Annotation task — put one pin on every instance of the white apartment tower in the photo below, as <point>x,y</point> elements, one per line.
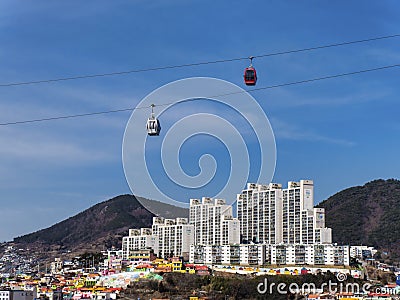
<point>230,230</point>
<point>297,212</point>
<point>173,236</point>
<point>167,237</point>
<point>301,222</point>
<point>137,239</point>
<point>213,222</point>
<point>259,210</point>
<point>272,215</point>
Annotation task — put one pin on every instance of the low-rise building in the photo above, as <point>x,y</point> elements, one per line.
<point>56,266</point>
<point>140,255</point>
<point>362,251</point>
<point>265,254</point>
<point>17,295</point>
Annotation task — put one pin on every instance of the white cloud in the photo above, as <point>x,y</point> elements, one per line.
<point>33,145</point>
<point>290,132</point>
<point>385,55</point>
<point>288,98</point>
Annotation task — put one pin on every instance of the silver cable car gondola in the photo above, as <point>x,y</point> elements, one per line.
<point>153,125</point>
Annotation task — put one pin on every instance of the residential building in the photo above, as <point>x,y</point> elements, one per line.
<point>113,252</point>
<point>213,222</point>
<point>253,254</point>
<point>317,254</point>
<point>230,230</point>
<point>362,251</point>
<point>139,255</point>
<point>56,265</point>
<point>272,215</point>
<point>17,295</point>
<point>275,225</point>
<point>166,238</point>
<point>138,239</point>
<point>259,210</point>
<point>265,254</point>
<point>173,237</point>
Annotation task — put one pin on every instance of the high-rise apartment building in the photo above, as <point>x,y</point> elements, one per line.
<point>137,239</point>
<point>167,237</point>
<point>173,236</point>
<point>274,225</point>
<point>259,210</point>
<point>213,222</point>
<point>298,203</point>
<point>272,215</point>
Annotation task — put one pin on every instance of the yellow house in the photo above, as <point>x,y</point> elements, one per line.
<point>177,266</point>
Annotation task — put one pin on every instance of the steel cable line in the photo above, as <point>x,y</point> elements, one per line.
<point>212,96</point>
<point>329,46</point>
<point>195,64</point>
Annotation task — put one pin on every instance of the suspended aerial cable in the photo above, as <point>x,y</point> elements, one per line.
<point>194,64</point>
<point>70,116</point>
<point>320,78</point>
<point>211,96</point>
<point>329,46</point>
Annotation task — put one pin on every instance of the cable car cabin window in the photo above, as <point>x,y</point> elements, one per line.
<point>249,75</point>
<point>153,127</point>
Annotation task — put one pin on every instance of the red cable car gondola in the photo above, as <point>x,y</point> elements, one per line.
<point>250,74</point>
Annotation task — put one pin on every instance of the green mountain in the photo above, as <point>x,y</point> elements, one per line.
<point>368,215</point>
<point>100,226</point>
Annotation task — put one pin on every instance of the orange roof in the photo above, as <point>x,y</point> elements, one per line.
<point>143,266</point>
<point>110,290</point>
<point>345,294</point>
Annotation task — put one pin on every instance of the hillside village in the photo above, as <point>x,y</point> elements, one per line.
<point>113,277</point>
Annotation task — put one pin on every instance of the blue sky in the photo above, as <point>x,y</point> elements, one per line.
<point>339,132</point>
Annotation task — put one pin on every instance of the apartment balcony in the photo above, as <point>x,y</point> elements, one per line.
<point>253,262</point>
<point>300,261</point>
<point>281,261</point>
